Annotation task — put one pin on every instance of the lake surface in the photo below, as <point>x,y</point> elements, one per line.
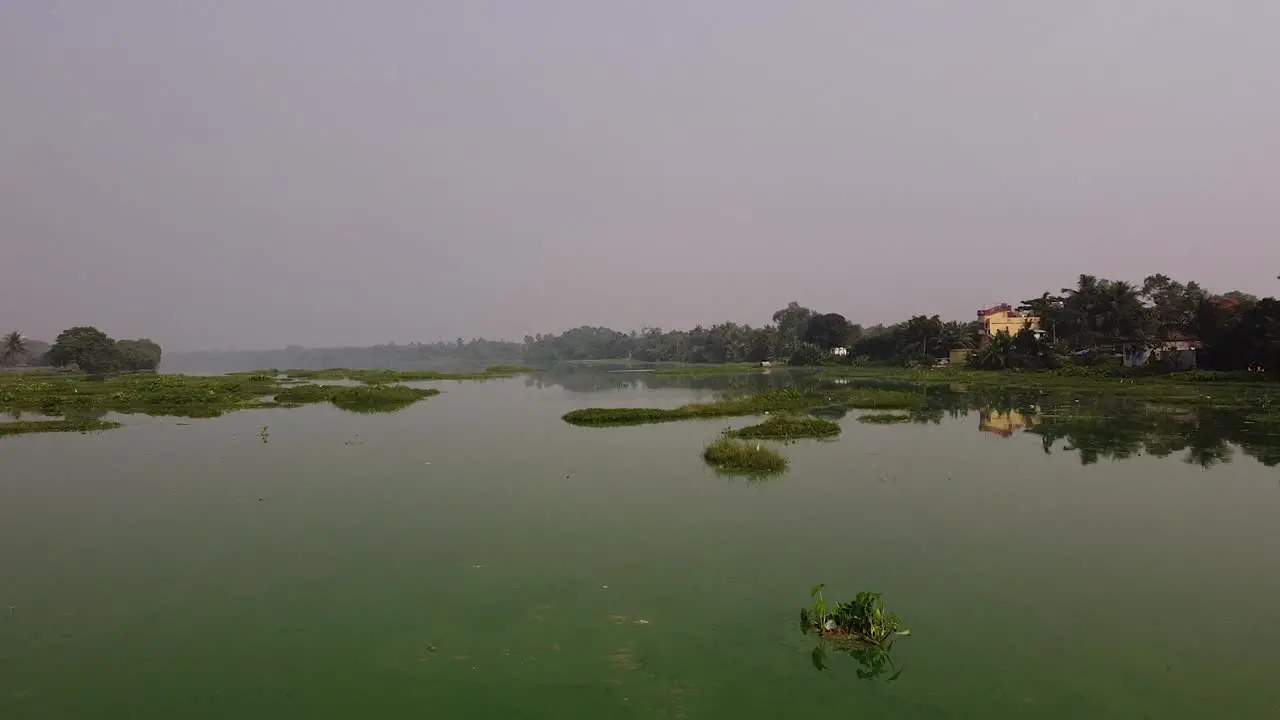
<point>475,556</point>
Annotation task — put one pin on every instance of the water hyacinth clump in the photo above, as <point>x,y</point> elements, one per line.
<point>736,457</point>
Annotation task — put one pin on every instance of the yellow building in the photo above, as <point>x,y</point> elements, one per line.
<point>1003,318</point>
<point>1003,424</point>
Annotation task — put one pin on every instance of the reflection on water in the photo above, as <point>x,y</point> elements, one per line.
<point>1092,424</point>
<point>1098,427</point>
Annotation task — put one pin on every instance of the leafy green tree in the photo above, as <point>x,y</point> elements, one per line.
<point>92,350</point>
<point>13,347</point>
<point>137,355</point>
<point>807,354</point>
<point>829,330</point>
<point>791,321</point>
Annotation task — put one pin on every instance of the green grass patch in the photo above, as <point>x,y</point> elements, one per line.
<point>788,427</point>
<point>790,399</point>
<point>736,457</point>
<point>148,394</point>
<point>884,418</point>
<point>24,427</point>
<point>360,398</point>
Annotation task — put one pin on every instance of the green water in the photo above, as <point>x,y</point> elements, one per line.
<point>474,557</point>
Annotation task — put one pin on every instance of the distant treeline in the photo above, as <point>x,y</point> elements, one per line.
<point>1087,323</point>
<point>458,356</point>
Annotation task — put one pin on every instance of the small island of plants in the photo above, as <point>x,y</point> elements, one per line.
<point>737,457</point>
<point>788,427</point>
<point>861,622</point>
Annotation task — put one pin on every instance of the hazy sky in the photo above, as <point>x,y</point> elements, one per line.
<point>253,173</point>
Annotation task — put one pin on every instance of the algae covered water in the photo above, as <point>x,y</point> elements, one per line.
<point>475,556</point>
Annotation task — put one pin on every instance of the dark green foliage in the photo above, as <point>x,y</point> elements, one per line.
<point>773,401</point>
<point>147,394</point>
<point>88,348</point>
<point>735,457</point>
<point>884,418</point>
<point>788,427</point>
<point>138,355</point>
<point>378,398</point>
<point>807,355</point>
<point>827,331</point>
<point>303,394</point>
<point>363,398</point>
<point>23,427</point>
<point>865,618</point>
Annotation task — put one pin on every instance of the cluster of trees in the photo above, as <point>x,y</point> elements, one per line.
<point>797,332</point>
<point>88,348</point>
<point>1236,330</point>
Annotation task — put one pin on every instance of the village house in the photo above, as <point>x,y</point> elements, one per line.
<point>1003,318</point>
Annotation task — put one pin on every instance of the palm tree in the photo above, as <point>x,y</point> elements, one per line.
<point>12,347</point>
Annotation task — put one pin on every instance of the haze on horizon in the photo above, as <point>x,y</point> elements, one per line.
<point>253,174</point>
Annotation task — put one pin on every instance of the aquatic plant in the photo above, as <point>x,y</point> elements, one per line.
<point>736,457</point>
<point>773,401</point>
<point>360,398</point>
<point>378,398</point>
<point>884,418</point>
<point>176,395</point>
<point>788,427</point>
<point>24,427</point>
<point>862,620</point>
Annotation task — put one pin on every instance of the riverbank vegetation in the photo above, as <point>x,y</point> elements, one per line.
<point>85,425</point>
<point>787,427</point>
<point>737,457</point>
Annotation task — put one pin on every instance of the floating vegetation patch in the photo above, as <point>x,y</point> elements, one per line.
<point>862,628</point>
<point>788,427</point>
<point>358,398</point>
<point>737,457</point>
<point>790,399</point>
<point>884,418</point>
<point>24,427</point>
<point>378,398</point>
<point>864,619</point>
<point>148,394</point>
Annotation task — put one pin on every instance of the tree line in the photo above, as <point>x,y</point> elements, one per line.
<point>84,347</point>
<point>1090,322</point>
<point>1087,323</point>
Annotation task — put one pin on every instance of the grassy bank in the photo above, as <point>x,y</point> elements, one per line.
<point>24,427</point>
<point>788,427</point>
<point>774,401</point>
<point>735,457</point>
